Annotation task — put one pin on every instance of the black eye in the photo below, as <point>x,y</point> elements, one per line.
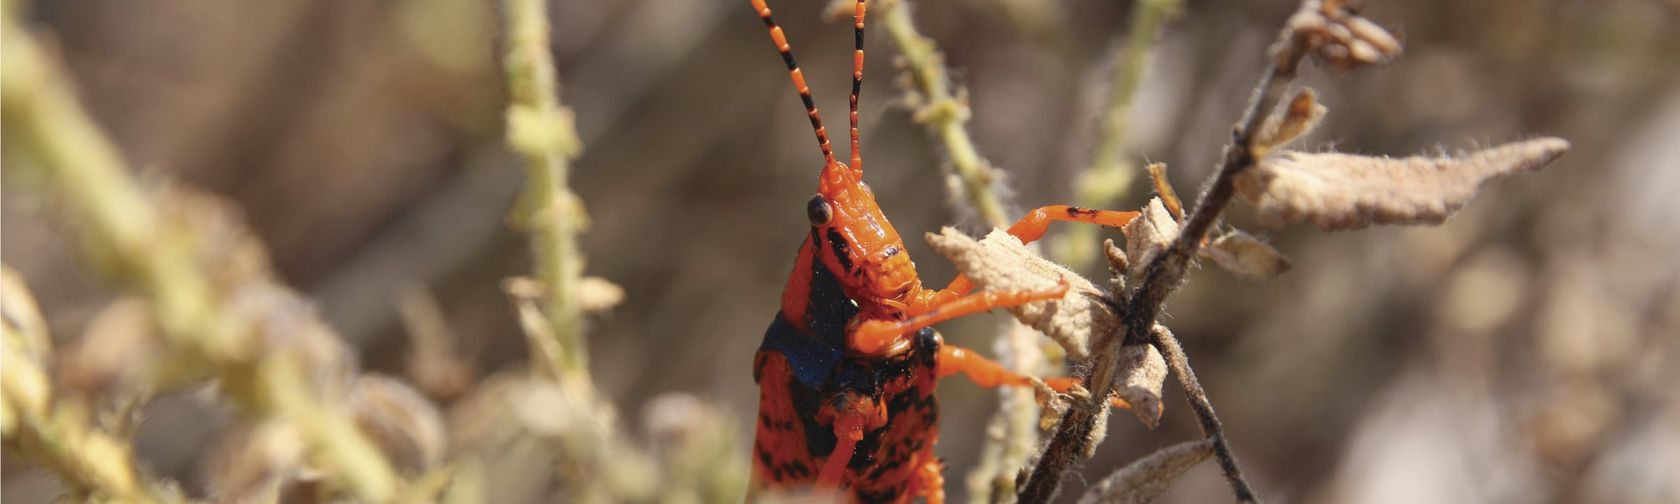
<point>817,210</point>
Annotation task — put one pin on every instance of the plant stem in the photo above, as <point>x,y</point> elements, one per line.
<point>943,113</point>
<point>1211,428</point>
<point>149,254</point>
<point>541,131</point>
<point>1110,175</point>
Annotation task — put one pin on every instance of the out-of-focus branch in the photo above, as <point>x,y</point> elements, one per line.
<point>943,112</point>
<point>94,464</point>
<point>1110,174</point>
<point>48,131</point>
<point>541,131</point>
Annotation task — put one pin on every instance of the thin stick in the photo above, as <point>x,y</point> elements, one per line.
<point>1211,428</point>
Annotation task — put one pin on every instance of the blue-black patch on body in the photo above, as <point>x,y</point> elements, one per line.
<point>814,347</point>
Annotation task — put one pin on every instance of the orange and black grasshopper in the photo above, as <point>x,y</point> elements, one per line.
<point>846,372</point>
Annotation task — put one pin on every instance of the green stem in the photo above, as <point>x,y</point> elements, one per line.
<point>1110,175</point>
<point>541,131</point>
<point>944,114</point>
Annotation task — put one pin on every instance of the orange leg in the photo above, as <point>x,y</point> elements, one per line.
<point>834,469</point>
<point>875,336</point>
<point>850,420</point>
<point>932,481</point>
<point>1032,226</point>
<point>990,374</point>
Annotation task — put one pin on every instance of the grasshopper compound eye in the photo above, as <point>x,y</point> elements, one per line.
<point>817,209</point>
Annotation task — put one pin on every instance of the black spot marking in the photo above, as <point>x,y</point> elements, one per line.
<point>841,249</point>
<point>1078,211</point>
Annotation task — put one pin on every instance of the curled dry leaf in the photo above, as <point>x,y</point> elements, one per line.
<point>1344,191</point>
<point>286,324</point>
<point>596,294</point>
<point>1138,380</point>
<point>1053,405</point>
<point>1164,190</point>
<point>118,348</point>
<point>1147,478</point>
<point>1331,31</point>
<point>1117,266</point>
<point>1000,262</point>
<point>223,244</point>
<point>1148,235</point>
<point>403,423</point>
<point>254,462</point>
<point>1246,256</point>
<point>1099,429</point>
<point>1295,119</point>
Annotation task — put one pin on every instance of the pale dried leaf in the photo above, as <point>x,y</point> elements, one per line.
<point>117,348</point>
<point>1117,266</point>
<point>1164,189</point>
<point>1148,235</point>
<point>1335,34</point>
<point>1138,379</point>
<point>1246,256</point>
<point>1147,478</point>
<point>1296,118</point>
<point>405,426</point>
<point>1099,429</point>
<point>596,294</point>
<point>1344,191</point>
<point>1000,262</point>
<point>1053,405</point>
<point>286,323</point>
<point>249,463</point>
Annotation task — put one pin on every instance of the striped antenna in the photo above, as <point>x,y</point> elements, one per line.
<point>781,42</point>
<point>861,10</point>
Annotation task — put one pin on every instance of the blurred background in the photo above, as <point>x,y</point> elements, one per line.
<point>1525,351</point>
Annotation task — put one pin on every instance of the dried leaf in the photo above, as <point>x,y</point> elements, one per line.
<point>1164,189</point>
<point>596,294</point>
<point>1243,254</point>
<point>1001,262</point>
<point>1343,191</point>
<point>1147,478</point>
<point>1117,266</point>
<point>1099,430</point>
<point>1334,33</point>
<point>250,463</point>
<point>118,348</point>
<point>1138,380</point>
<point>1148,235</point>
<point>286,324</point>
<point>1297,118</point>
<point>1053,405</point>
<point>400,421</point>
